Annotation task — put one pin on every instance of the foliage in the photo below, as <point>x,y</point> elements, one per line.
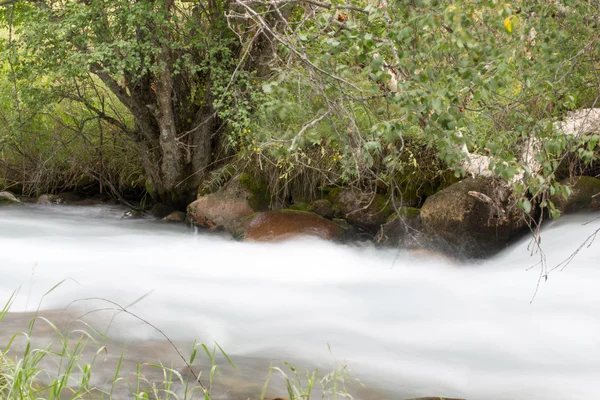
<point>370,83</point>
<point>379,95</point>
<point>159,73</point>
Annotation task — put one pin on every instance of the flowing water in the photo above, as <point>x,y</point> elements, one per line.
<point>406,325</point>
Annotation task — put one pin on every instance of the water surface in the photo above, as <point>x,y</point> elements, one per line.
<point>406,325</point>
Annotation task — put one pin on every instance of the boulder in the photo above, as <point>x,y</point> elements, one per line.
<point>585,196</point>
<point>365,210</point>
<point>470,219</point>
<point>284,224</point>
<point>322,207</point>
<point>402,228</point>
<point>175,216</point>
<point>229,206</point>
<point>8,198</point>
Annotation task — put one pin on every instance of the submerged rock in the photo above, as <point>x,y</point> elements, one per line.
<point>285,224</point>
<point>228,207</point>
<point>470,218</point>
<point>132,214</point>
<point>175,216</point>
<point>585,196</point>
<point>8,198</point>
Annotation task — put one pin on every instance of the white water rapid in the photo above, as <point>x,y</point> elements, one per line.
<point>410,326</point>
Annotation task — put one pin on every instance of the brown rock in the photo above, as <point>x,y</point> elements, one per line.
<point>175,216</point>
<point>226,208</point>
<point>284,224</point>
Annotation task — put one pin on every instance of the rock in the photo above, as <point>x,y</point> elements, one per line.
<point>583,188</point>
<point>469,219</point>
<point>322,207</point>
<point>402,228</point>
<point>228,207</point>
<point>160,211</point>
<point>365,210</point>
<point>61,198</point>
<point>284,224</point>
<point>132,214</point>
<point>429,255</point>
<point>175,216</point>
<point>48,199</point>
<point>8,198</point>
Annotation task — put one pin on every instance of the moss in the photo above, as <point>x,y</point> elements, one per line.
<point>300,207</point>
<point>382,205</point>
<point>258,199</point>
<point>583,191</point>
<point>404,212</point>
<point>334,195</point>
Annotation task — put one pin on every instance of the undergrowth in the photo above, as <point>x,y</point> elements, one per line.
<point>64,369</point>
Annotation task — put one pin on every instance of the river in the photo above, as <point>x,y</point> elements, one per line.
<point>406,325</point>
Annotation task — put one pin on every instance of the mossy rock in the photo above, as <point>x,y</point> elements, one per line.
<point>404,212</point>
<point>258,199</point>
<point>585,196</point>
<point>466,226</point>
<point>365,210</point>
<point>400,227</point>
<point>322,207</point>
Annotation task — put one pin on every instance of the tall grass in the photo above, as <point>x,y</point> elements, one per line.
<point>64,369</point>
